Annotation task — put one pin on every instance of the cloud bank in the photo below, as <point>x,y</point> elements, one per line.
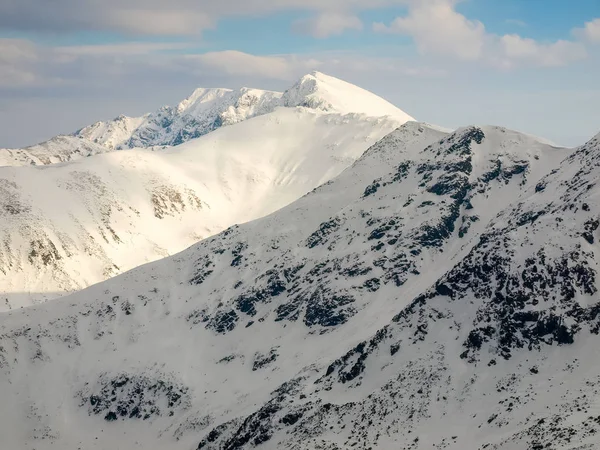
<point>438,28</point>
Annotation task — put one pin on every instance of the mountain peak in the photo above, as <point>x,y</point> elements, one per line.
<point>316,75</point>
<point>320,76</point>
<point>319,91</point>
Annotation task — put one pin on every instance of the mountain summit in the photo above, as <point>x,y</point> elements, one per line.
<point>319,91</point>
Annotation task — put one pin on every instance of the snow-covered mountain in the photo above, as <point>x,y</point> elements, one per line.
<point>209,109</point>
<point>67,226</point>
<point>204,111</point>
<point>56,150</point>
<point>439,293</point>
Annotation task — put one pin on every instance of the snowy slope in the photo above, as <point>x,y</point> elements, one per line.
<point>440,293</point>
<point>56,150</point>
<point>67,226</point>
<point>204,111</point>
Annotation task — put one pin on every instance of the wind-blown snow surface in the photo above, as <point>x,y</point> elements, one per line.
<point>67,226</point>
<point>204,111</point>
<point>440,293</point>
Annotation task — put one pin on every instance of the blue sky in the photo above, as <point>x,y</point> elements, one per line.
<point>530,65</point>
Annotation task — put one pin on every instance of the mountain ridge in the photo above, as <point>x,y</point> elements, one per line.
<point>204,111</point>
<point>341,320</point>
<point>315,91</point>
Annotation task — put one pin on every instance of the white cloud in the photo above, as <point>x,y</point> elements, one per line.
<point>328,24</point>
<point>26,65</point>
<point>243,64</point>
<point>591,31</point>
<point>438,28</point>
<point>518,50</point>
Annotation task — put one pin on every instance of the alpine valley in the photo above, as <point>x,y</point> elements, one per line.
<point>395,285</point>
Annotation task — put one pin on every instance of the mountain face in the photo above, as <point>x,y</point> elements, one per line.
<point>206,110</point>
<point>67,226</point>
<point>439,293</point>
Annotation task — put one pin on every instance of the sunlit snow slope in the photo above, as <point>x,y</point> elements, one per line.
<point>70,225</point>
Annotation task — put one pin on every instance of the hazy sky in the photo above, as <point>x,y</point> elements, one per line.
<point>532,65</point>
